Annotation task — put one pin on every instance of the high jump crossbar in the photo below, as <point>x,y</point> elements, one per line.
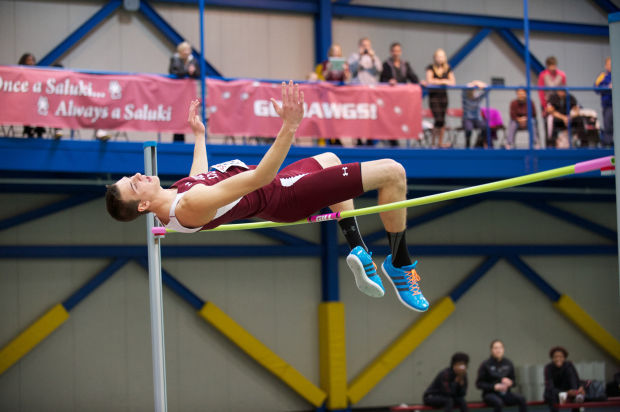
<point>582,167</point>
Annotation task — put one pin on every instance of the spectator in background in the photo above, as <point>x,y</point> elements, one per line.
<point>496,377</point>
<point>550,77</point>
<point>439,73</point>
<point>604,80</point>
<point>518,119</point>
<point>450,386</point>
<point>183,64</point>
<point>558,118</point>
<point>397,71</point>
<point>28,59</point>
<point>472,118</point>
<point>365,66</point>
<point>335,68</point>
<point>561,380</point>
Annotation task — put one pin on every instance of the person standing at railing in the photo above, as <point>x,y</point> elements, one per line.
<point>335,68</point>
<point>395,70</point>
<point>472,118</point>
<point>28,59</point>
<point>439,73</point>
<point>364,64</point>
<point>550,77</point>
<point>183,64</point>
<point>518,119</point>
<point>365,68</point>
<point>604,80</point>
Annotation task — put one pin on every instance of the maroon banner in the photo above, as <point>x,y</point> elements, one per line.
<point>68,99</point>
<point>242,108</point>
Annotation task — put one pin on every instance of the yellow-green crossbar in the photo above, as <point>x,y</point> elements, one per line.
<point>425,200</point>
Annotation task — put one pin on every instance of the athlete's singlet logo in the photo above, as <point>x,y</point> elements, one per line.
<point>344,171</point>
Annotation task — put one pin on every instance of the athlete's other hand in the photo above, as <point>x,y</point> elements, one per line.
<point>194,119</point>
<point>292,109</point>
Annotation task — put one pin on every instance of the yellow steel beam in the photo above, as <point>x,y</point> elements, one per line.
<point>399,349</point>
<point>32,336</point>
<point>262,354</point>
<point>588,325</point>
<point>332,354</point>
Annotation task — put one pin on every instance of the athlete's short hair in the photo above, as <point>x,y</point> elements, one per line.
<point>119,209</point>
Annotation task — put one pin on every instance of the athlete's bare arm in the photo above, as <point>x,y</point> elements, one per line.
<point>200,164</point>
<point>201,202</point>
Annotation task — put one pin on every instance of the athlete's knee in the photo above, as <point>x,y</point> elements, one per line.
<point>395,171</point>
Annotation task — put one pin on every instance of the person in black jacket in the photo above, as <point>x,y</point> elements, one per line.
<point>561,377</point>
<point>496,376</point>
<point>395,71</point>
<point>450,386</point>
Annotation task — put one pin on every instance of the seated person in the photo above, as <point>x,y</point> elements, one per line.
<point>496,377</point>
<point>450,385</point>
<point>558,118</point>
<point>472,118</point>
<point>518,119</point>
<point>561,380</point>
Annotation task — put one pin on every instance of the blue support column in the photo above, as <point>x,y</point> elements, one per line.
<point>573,219</point>
<point>79,33</point>
<point>514,42</point>
<point>171,34</point>
<point>463,19</point>
<point>607,5</point>
<point>46,210</point>
<point>329,262</point>
<point>73,300</point>
<point>534,277</point>
<point>528,74</point>
<point>472,278</point>
<point>468,47</point>
<point>322,30</point>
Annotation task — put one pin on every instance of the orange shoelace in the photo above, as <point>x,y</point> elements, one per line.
<point>413,278</point>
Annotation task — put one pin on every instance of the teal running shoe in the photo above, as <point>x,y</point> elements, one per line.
<point>406,284</point>
<point>365,271</point>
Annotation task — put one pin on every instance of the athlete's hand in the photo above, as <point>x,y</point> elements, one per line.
<point>194,119</point>
<point>292,109</point>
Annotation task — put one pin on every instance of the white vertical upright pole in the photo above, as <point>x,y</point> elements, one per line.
<point>155,291</point>
<point>614,42</point>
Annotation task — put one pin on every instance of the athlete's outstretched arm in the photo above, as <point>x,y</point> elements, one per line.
<point>200,163</point>
<point>200,203</point>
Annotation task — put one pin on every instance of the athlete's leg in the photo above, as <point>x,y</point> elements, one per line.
<point>329,159</point>
<point>390,180</point>
<point>360,259</point>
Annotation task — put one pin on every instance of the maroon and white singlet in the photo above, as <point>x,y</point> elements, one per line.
<point>298,191</point>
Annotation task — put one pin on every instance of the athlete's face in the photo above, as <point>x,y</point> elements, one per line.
<point>139,187</point>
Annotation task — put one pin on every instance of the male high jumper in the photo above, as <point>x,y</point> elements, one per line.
<point>233,190</point>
